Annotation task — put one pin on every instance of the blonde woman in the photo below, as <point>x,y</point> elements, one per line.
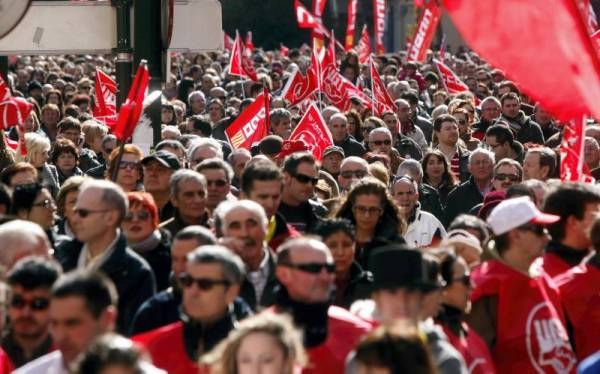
<point>94,132</point>
<point>38,153</point>
<point>265,344</point>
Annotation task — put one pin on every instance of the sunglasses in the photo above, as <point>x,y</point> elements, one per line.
<point>46,204</point>
<point>381,142</point>
<point>217,183</point>
<point>132,165</point>
<point>353,173</point>
<point>465,279</point>
<point>511,177</point>
<point>82,212</point>
<point>204,284</point>
<point>141,216</point>
<point>304,179</point>
<point>37,303</point>
<point>535,229</point>
<point>312,267</point>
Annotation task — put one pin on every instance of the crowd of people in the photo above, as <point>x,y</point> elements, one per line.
<point>436,237</point>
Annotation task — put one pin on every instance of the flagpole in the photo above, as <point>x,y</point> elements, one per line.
<point>318,76</point>
<point>440,75</point>
<point>371,65</point>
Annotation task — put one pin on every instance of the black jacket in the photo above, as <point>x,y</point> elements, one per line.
<point>130,273</point>
<point>526,130</point>
<point>426,126</point>
<point>358,287</point>
<point>311,211</point>
<point>351,147</point>
<point>386,232</point>
<point>268,296</point>
<point>87,160</point>
<point>408,148</point>
<point>159,260</point>
<point>462,199</point>
<point>430,201</point>
<point>176,224</point>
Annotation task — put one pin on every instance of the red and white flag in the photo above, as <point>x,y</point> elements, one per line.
<point>298,86</point>
<point>313,132</point>
<point>351,28</point>
<point>319,33</point>
<point>572,165</point>
<point>14,112</point>
<point>364,46</point>
<point>249,45</point>
<point>424,32</point>
<point>251,125</point>
<point>381,98</point>
<point>131,110</point>
<point>106,99</point>
<point>304,18</point>
<point>239,63</point>
<point>228,42</point>
<point>451,81</point>
<point>4,90</point>
<point>379,25</point>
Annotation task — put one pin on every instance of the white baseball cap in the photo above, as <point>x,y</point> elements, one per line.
<point>512,213</point>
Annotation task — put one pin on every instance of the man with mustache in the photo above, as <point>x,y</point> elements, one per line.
<point>30,282</point>
<point>244,227</point>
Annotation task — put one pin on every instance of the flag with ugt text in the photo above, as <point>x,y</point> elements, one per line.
<point>450,80</point>
<point>313,132</point>
<point>364,46</point>
<point>351,27</point>
<point>251,125</point>
<point>430,17</point>
<point>131,110</point>
<point>568,62</point>
<point>105,109</point>
<point>381,98</point>
<point>379,25</point>
<point>240,64</point>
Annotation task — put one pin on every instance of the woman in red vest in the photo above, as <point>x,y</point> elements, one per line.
<point>455,303</point>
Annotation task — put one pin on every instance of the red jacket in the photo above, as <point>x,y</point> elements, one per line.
<point>473,349</point>
<point>580,292</point>
<point>554,265</point>
<point>6,365</point>
<point>166,347</point>
<point>344,331</point>
<point>530,332</point>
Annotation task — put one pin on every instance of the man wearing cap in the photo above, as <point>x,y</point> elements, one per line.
<point>332,160</point>
<point>158,168</point>
<point>402,283</point>
<point>519,315</point>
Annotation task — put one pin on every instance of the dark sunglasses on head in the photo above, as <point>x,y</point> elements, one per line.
<point>381,142</point>
<point>141,216</point>
<point>37,303</point>
<point>536,229</point>
<point>312,267</point>
<point>218,183</point>
<point>511,177</point>
<point>305,178</point>
<point>204,284</point>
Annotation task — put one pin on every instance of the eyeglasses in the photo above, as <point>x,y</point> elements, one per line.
<point>141,216</point>
<point>82,212</point>
<point>37,303</point>
<point>535,229</point>
<point>353,173</point>
<point>46,204</point>
<point>217,183</point>
<point>511,177</point>
<point>312,267</point>
<point>363,210</point>
<point>205,284</point>
<point>465,279</point>
<point>381,142</point>
<point>129,165</point>
<point>304,179</point>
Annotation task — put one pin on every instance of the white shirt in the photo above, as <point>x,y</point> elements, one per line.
<point>259,277</point>
<point>51,363</point>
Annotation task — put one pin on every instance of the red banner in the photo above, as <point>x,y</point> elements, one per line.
<point>451,81</point>
<point>304,18</point>
<point>105,110</point>
<point>4,90</point>
<point>131,110</point>
<point>364,46</point>
<point>313,132</point>
<point>228,42</point>
<point>381,98</point>
<point>572,164</point>
<point>298,86</point>
<point>251,125</point>
<point>240,63</point>
<point>318,34</point>
<point>350,29</point>
<point>568,63</point>
<point>379,25</point>
<point>338,89</point>
<point>424,32</point>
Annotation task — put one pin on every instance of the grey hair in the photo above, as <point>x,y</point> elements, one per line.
<point>205,142</point>
<point>238,152</point>
<point>278,114</point>
<point>438,111</point>
<point>232,265</point>
<point>193,94</point>
<point>19,239</point>
<point>341,116</point>
<point>216,163</point>
<point>482,151</point>
<point>201,234</point>
<point>411,167</point>
<point>491,99</point>
<point>227,207</point>
<point>184,175</point>
<point>112,194</point>
<point>383,130</point>
<point>360,160</point>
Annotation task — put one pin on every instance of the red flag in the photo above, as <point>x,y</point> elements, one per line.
<point>313,132</point>
<point>425,31</point>
<point>572,161</point>
<point>304,18</point>
<point>14,112</point>
<point>318,33</point>
<point>379,25</point>
<point>298,86</point>
<point>381,98</point>
<point>596,39</point>
<point>249,45</point>
<point>131,110</point>
<point>568,62</point>
<point>251,125</point>
<point>283,50</point>
<point>228,42</point>
<point>350,30</point>
<point>106,99</point>
<point>364,46</point>
<point>451,81</point>
<point>240,64</point>
<point>4,90</point>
